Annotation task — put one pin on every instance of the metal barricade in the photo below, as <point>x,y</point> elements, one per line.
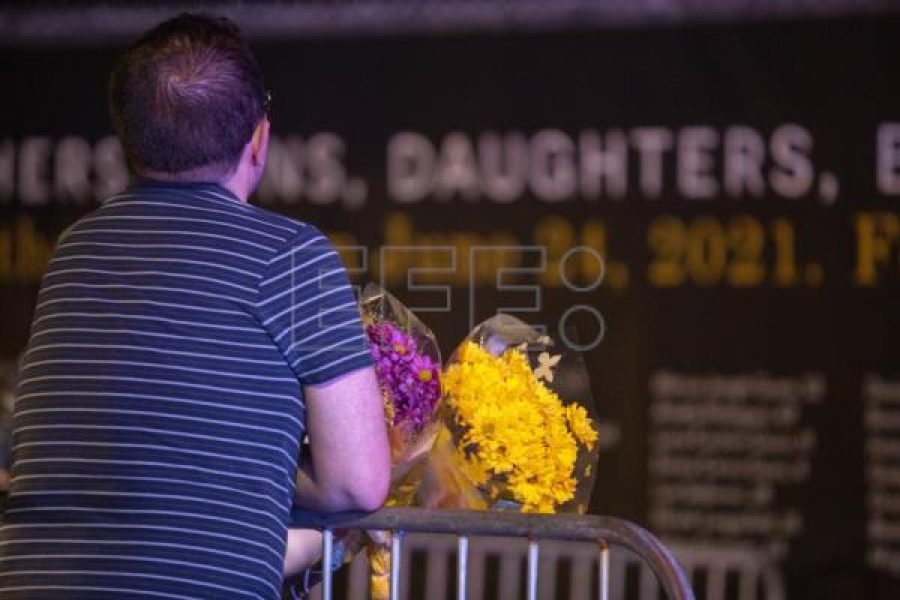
<point>603,531</point>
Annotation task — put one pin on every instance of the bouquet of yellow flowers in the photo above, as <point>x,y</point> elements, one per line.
<point>519,430</point>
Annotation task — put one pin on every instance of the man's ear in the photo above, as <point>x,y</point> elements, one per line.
<point>260,142</point>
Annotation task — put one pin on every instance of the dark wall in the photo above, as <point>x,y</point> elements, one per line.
<point>740,182</point>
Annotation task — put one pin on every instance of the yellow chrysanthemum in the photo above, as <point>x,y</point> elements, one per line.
<point>580,424</point>
<point>388,408</point>
<point>517,435</point>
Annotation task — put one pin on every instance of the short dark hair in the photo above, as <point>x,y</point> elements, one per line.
<point>186,97</point>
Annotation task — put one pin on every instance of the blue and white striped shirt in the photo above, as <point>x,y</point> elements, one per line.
<point>159,408</point>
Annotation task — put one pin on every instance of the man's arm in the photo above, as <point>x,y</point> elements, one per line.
<point>307,305</point>
<point>304,548</point>
<point>349,463</point>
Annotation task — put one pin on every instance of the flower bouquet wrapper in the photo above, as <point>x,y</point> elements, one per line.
<point>519,427</point>
<point>408,365</point>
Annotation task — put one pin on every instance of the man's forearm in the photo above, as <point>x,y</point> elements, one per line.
<point>308,494</point>
<point>313,495</point>
<point>348,465</point>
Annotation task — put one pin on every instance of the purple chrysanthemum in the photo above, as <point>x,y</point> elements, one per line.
<point>409,378</point>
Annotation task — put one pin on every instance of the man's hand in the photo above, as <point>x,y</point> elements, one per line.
<point>349,464</point>
<point>304,548</point>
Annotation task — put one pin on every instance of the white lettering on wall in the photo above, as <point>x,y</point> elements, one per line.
<point>410,167</point>
<point>696,162</point>
<point>72,163</point>
<point>604,164</point>
<point>553,176</point>
<point>504,161</point>
<point>34,156</point>
<point>793,175</point>
<point>651,143</point>
<point>745,153</point>
<point>888,159</point>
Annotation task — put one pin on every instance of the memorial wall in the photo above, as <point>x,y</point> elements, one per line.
<point>714,210</point>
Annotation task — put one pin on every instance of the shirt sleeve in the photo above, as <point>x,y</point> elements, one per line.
<point>308,307</point>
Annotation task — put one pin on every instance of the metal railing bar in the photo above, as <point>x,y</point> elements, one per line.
<point>327,547</point>
<point>396,557</point>
<point>587,528</point>
<point>533,557</point>
<point>462,568</point>
<point>604,571</point>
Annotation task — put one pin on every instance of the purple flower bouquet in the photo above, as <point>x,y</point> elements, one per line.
<point>408,364</point>
<point>409,378</point>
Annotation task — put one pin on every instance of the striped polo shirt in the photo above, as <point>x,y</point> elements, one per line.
<point>160,403</point>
